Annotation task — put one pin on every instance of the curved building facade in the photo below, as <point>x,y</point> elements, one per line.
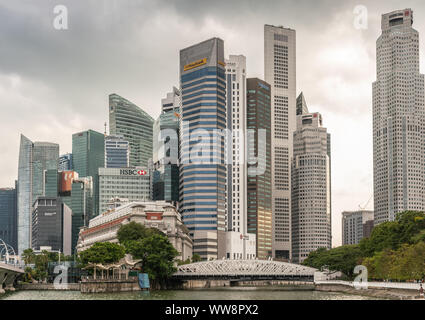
<point>135,125</point>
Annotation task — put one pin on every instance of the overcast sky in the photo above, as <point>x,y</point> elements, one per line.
<point>54,83</point>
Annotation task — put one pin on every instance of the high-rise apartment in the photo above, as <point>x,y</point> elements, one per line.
<point>117,152</point>
<point>398,119</point>
<point>259,182</point>
<point>311,187</point>
<point>135,125</point>
<point>203,169</point>
<point>34,159</point>
<point>280,73</point>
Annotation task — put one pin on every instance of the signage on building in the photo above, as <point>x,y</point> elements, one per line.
<point>133,172</point>
<point>195,64</point>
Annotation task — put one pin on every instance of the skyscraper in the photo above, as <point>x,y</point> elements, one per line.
<point>34,159</point>
<point>280,73</point>
<point>8,217</point>
<point>311,187</point>
<point>88,152</point>
<point>259,182</point>
<point>203,170</point>
<point>398,119</point>
<point>135,125</point>
<point>166,132</point>
<point>117,152</point>
<point>236,206</point>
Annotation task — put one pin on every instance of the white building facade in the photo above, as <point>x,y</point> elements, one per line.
<point>280,73</point>
<point>398,119</point>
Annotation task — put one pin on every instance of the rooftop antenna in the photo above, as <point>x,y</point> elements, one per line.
<point>105,129</point>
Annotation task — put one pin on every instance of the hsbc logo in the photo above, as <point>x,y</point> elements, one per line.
<point>132,172</point>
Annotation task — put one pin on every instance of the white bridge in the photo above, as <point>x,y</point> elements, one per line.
<point>9,269</point>
<point>240,270</point>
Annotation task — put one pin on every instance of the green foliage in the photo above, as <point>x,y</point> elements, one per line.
<point>342,259</point>
<point>395,250</point>
<point>157,255</point>
<point>28,256</point>
<point>405,263</point>
<point>102,252</point>
<point>134,231</point>
<point>408,227</point>
<point>196,258</point>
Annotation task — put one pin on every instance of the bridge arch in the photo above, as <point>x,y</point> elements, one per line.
<point>244,269</point>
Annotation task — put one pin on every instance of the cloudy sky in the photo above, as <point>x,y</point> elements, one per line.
<point>54,83</point>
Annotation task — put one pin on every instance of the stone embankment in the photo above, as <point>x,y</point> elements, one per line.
<point>382,290</point>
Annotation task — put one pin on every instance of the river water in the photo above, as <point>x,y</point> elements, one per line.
<point>207,294</point>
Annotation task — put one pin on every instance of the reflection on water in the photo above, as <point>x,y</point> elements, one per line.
<point>210,294</point>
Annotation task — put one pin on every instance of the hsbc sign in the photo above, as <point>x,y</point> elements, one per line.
<point>132,172</point>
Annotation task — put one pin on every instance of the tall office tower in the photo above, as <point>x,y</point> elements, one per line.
<point>34,159</point>
<point>203,170</point>
<point>65,162</point>
<point>280,73</point>
<point>236,206</point>
<point>88,153</point>
<point>8,217</point>
<point>398,119</point>
<point>259,181</point>
<point>172,101</point>
<point>51,225</point>
<point>356,225</point>
<point>166,133</point>
<point>135,125</point>
<point>311,187</point>
<point>117,152</point>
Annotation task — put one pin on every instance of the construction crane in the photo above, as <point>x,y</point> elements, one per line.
<point>367,203</point>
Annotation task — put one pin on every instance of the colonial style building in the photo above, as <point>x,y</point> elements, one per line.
<point>160,215</point>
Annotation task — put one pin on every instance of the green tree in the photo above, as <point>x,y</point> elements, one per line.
<point>28,256</point>
<point>196,258</point>
<point>134,231</point>
<point>342,259</point>
<point>103,253</point>
<point>157,255</point>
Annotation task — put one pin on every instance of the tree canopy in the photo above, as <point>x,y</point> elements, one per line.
<point>395,250</point>
<point>135,231</point>
<point>102,252</point>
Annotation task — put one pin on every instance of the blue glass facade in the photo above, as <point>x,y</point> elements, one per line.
<point>8,217</point>
<point>117,152</point>
<point>203,171</point>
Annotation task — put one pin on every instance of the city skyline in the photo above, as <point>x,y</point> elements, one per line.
<point>37,87</point>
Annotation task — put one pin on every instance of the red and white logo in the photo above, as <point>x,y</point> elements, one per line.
<point>142,172</point>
